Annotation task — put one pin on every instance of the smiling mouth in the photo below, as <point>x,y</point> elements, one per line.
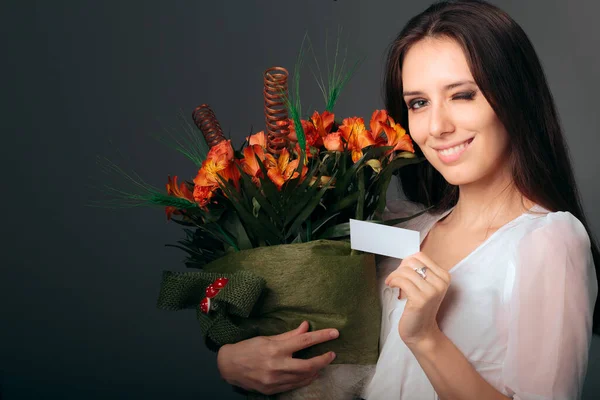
<point>456,149</point>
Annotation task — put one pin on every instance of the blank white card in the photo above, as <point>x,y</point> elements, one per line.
<point>381,239</point>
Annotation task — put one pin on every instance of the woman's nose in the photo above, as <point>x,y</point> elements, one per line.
<point>440,121</point>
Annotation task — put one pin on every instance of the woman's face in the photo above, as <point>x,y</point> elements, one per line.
<point>448,116</point>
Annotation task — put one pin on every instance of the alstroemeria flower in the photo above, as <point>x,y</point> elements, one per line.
<point>180,191</point>
<point>356,136</point>
<point>379,119</point>
<point>250,164</point>
<point>333,142</point>
<point>322,123</point>
<point>219,163</point>
<point>310,134</point>
<point>258,138</point>
<point>282,169</point>
<point>397,137</point>
<point>203,195</point>
<point>222,152</point>
<point>315,130</point>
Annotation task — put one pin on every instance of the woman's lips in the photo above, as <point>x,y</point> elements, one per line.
<point>452,154</point>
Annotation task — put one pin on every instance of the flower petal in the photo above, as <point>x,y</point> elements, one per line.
<point>333,142</point>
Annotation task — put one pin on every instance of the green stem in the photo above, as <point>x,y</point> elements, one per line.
<point>227,238</point>
<point>360,205</point>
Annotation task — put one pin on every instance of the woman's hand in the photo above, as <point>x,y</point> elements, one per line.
<point>265,364</point>
<point>424,296</point>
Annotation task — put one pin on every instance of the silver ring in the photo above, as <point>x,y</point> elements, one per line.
<point>421,271</point>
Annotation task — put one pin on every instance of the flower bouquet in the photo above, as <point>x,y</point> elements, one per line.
<point>267,228</point>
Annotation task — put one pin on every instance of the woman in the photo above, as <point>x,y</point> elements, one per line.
<point>499,302</point>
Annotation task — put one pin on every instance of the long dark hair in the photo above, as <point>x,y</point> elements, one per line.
<point>508,72</point>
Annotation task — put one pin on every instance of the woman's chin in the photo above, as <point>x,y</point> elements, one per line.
<point>458,178</point>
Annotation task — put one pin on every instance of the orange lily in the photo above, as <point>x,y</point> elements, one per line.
<point>322,123</point>
<point>181,191</point>
<point>355,134</point>
<point>310,133</point>
<point>258,138</point>
<point>282,169</point>
<point>203,195</point>
<point>333,142</point>
<point>314,129</point>
<point>249,163</point>
<point>397,137</point>
<point>219,163</point>
<point>379,118</point>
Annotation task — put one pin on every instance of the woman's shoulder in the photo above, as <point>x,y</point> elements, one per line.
<point>554,228</point>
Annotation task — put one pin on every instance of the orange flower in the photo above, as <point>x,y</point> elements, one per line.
<point>292,134</point>
<point>203,195</point>
<point>221,152</point>
<point>177,191</point>
<point>379,118</point>
<point>333,142</point>
<point>258,138</point>
<point>355,134</point>
<point>249,163</point>
<point>181,191</point>
<point>314,129</point>
<point>397,137</point>
<point>219,163</point>
<point>322,122</point>
<point>282,169</point>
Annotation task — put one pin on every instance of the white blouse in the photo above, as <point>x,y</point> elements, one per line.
<point>519,307</point>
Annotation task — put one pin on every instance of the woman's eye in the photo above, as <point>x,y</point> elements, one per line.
<point>465,96</point>
<point>416,104</point>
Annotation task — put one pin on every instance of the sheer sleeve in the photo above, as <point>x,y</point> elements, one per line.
<point>551,308</point>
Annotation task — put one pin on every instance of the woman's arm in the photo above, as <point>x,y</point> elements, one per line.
<point>449,371</point>
<point>265,364</point>
<point>549,327</point>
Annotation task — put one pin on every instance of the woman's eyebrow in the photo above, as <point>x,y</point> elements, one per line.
<point>447,87</point>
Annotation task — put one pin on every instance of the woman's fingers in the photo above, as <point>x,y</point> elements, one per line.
<point>310,366</point>
<point>307,339</point>
<point>432,283</point>
<point>302,328</point>
<point>412,283</point>
<point>439,271</point>
<point>294,372</point>
<point>405,285</point>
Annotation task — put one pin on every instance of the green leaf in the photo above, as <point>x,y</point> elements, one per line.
<point>233,225</point>
<point>250,189</point>
<point>346,202</point>
<point>267,186</point>
<point>300,200</point>
<point>321,223</point>
<point>296,186</point>
<point>337,231</point>
<point>386,175</point>
<point>344,180</point>
<point>307,211</point>
<point>259,229</point>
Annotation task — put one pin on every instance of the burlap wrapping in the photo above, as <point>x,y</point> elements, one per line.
<point>273,289</point>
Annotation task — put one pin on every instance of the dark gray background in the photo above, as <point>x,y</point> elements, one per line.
<point>78,284</point>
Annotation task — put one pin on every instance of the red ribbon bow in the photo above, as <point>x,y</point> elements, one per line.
<point>211,291</point>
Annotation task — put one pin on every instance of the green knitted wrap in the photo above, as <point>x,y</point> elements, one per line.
<point>273,289</point>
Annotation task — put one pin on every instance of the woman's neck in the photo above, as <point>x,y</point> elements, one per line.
<point>487,204</point>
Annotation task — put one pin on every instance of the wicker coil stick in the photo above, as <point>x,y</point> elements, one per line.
<point>205,119</point>
<point>276,116</point>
